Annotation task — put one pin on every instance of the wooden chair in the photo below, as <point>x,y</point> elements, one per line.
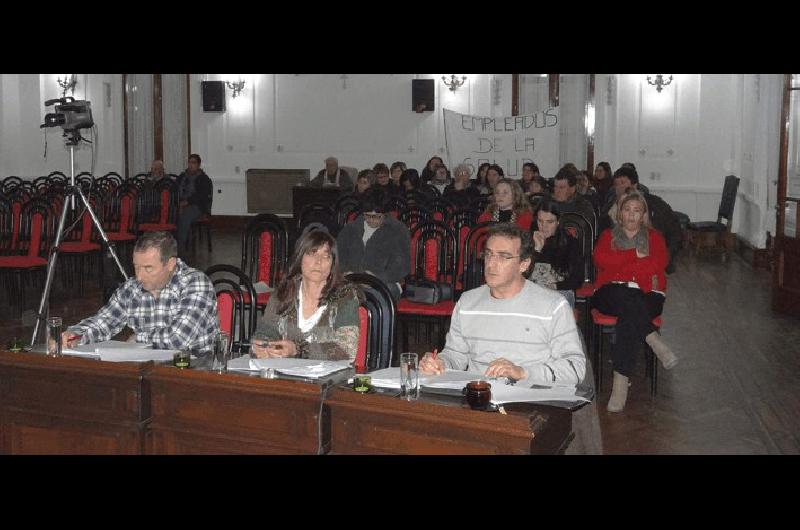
<point>716,234</point>
<point>377,315</point>
<point>605,325</point>
<point>237,315</point>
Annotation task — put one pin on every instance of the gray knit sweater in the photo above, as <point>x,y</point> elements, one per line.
<point>535,330</point>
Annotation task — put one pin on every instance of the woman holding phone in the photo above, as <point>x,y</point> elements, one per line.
<point>314,312</point>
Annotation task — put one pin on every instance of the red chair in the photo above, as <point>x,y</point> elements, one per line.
<point>265,250</point>
<point>434,256</point>
<point>377,316</point>
<point>605,324</point>
<point>28,261</point>
<point>157,206</point>
<point>80,247</point>
<point>237,316</point>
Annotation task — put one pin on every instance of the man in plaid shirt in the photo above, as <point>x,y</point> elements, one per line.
<point>168,304</point>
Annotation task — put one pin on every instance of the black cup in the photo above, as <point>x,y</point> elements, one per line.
<point>479,394</point>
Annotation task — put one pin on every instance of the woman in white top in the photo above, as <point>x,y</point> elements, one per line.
<point>313,314</point>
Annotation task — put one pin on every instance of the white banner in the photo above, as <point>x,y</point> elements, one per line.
<point>506,141</point>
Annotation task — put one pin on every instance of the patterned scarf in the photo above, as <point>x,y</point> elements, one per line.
<point>640,241</point>
<point>496,216</point>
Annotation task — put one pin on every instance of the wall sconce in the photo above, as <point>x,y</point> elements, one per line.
<point>659,83</point>
<point>67,83</point>
<point>236,86</point>
<point>454,83</point>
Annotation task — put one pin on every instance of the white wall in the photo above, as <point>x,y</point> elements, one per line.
<point>295,121</point>
<point>683,140</point>
<point>22,110</point>
<point>686,139</point>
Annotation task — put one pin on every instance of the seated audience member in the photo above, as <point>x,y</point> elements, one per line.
<point>332,175</point>
<point>409,180</point>
<point>480,178</point>
<point>602,180</point>
<point>314,312</point>
<point>509,205</point>
<point>364,180</point>
<point>662,218</point>
<point>376,243</point>
<point>538,186</point>
<point>168,304</point>
<point>156,171</point>
<point>565,193</point>
<point>430,169</point>
<point>529,172</point>
<point>461,191</point>
<point>383,181</point>
<point>395,171</point>
<point>196,194</point>
<point>586,190</point>
<point>493,174</point>
<point>557,260</point>
<point>511,327</point>
<point>441,178</point>
<point>631,285</point>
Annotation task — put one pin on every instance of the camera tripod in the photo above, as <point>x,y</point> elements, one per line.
<point>69,204</point>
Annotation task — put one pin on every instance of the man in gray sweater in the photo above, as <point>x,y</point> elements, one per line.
<point>511,327</point>
<point>376,243</point>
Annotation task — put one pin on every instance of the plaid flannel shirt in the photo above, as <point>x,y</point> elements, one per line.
<point>184,316</point>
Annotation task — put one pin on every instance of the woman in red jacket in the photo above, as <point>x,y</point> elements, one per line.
<point>630,260</point>
<point>509,205</point>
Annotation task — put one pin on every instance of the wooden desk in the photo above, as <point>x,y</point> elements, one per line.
<point>380,424</point>
<point>197,412</point>
<point>69,405</point>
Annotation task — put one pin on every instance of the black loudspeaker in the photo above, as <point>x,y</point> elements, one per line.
<point>422,95</point>
<point>213,95</point>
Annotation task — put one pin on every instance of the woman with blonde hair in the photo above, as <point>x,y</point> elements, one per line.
<point>509,205</point>
<point>631,285</point>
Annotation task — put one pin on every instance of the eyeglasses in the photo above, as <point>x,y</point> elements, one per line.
<point>374,216</point>
<point>488,255</point>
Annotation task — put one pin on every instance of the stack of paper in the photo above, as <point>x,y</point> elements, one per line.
<point>116,351</point>
<point>310,368</point>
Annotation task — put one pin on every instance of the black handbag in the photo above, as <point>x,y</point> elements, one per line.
<point>424,291</point>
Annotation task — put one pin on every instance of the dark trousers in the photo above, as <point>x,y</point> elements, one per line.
<point>634,311</point>
<point>186,217</point>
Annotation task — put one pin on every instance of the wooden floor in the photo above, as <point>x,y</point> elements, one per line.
<point>735,390</point>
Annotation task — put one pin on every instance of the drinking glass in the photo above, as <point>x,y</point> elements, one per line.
<point>54,336</point>
<point>409,376</point>
<point>221,353</point>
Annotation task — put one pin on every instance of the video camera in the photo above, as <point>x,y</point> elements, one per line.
<point>69,114</point>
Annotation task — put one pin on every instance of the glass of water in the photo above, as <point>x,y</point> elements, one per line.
<point>221,353</point>
<point>409,376</point>
<point>54,329</point>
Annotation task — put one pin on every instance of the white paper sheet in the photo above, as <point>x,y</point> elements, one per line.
<point>311,368</point>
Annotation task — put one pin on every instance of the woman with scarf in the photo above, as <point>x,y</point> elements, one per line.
<point>509,205</point>
<point>314,312</point>
<point>631,285</point>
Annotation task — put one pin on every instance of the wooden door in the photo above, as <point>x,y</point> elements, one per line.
<point>786,273</point>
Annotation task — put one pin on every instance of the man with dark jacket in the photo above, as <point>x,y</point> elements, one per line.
<point>662,217</point>
<point>376,243</point>
<point>196,194</point>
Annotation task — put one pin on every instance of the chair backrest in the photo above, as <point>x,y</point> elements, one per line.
<point>728,200</point>
<point>347,208</point>
<point>37,228</point>
<point>159,203</point>
<point>473,247</point>
<point>265,248</point>
<point>434,252</point>
<point>397,207</point>
<point>119,209</point>
<point>83,230</point>
<point>441,209</point>
<point>6,225</point>
<point>10,183</point>
<point>575,225</point>
<point>378,328</point>
<point>237,312</point>
<point>317,212</point>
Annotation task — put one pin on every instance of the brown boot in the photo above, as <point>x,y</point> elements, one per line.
<point>662,351</point>
<point>619,393</point>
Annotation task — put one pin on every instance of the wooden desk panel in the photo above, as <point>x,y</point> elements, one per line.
<point>197,412</point>
<point>70,405</point>
<point>377,424</point>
